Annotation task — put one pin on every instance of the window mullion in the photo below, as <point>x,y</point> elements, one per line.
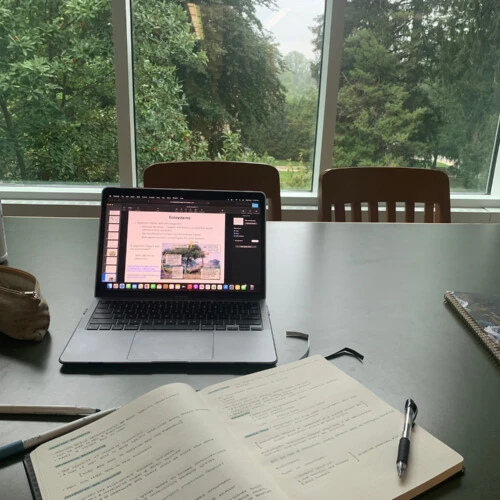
<point>122,41</point>
<point>333,39</point>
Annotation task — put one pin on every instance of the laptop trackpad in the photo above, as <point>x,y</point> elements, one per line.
<point>172,346</point>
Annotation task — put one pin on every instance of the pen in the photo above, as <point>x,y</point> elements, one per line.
<point>20,446</point>
<point>46,410</point>
<point>411,411</point>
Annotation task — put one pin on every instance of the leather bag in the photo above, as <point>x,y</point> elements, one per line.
<point>24,313</point>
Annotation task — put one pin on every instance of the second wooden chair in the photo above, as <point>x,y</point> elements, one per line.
<point>374,185</point>
<point>224,175</point>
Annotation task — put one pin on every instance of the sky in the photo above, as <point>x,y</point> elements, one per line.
<point>290,23</point>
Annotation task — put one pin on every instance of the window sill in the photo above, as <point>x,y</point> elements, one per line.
<point>480,209</point>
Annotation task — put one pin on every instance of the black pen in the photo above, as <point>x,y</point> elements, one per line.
<point>411,411</point>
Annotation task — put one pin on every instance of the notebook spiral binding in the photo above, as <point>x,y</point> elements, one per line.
<point>481,335</point>
<point>35,489</point>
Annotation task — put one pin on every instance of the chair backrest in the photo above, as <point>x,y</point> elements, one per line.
<point>223,175</point>
<point>389,185</point>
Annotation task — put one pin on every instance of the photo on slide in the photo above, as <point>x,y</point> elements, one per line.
<point>190,262</point>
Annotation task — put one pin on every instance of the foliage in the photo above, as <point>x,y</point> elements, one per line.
<point>189,253</point>
<point>239,88</point>
<point>57,91</point>
<point>374,125</point>
<point>164,41</point>
<point>290,131</point>
<point>467,82</point>
<point>57,85</point>
<point>419,81</point>
<point>232,149</point>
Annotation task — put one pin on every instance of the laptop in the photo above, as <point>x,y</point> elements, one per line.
<point>181,278</point>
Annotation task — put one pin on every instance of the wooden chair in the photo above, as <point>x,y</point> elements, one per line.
<point>224,175</point>
<point>371,185</point>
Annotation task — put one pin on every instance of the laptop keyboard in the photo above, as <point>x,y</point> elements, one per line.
<point>176,315</point>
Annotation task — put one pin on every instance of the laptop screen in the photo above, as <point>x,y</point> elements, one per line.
<point>159,241</point>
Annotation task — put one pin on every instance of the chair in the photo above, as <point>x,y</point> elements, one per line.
<point>224,175</point>
<point>340,186</point>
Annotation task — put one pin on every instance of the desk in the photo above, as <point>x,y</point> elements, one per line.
<point>374,287</point>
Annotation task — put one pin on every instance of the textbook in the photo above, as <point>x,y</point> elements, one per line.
<point>305,430</point>
<point>481,312</point>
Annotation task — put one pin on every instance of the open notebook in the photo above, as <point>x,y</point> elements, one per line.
<point>305,430</point>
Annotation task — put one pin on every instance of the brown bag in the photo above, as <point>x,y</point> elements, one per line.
<point>24,314</point>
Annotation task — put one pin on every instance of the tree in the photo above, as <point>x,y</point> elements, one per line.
<point>57,104</point>
<point>419,80</point>
<point>164,41</point>
<point>57,91</point>
<point>189,254</point>
<point>297,76</point>
<point>374,124</point>
<point>239,88</point>
<point>467,76</point>
<point>289,132</point>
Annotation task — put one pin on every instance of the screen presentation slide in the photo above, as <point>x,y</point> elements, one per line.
<point>175,247</point>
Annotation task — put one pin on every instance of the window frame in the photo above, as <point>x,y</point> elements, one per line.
<point>84,200</point>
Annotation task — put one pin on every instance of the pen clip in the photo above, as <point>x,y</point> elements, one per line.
<point>413,407</point>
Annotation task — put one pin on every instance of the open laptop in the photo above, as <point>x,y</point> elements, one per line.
<point>180,278</point>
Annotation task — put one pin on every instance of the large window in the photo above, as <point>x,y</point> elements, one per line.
<point>57,92</point>
<point>228,80</point>
<point>305,85</point>
<point>420,87</point>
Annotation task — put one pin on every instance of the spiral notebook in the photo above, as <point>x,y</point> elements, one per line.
<point>481,312</point>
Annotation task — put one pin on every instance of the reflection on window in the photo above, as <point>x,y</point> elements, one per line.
<point>420,87</point>
<point>57,92</point>
<point>222,80</point>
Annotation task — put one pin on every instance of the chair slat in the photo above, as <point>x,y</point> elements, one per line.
<point>410,211</point>
<point>339,212</point>
<point>373,211</point>
<point>429,212</point>
<point>390,214</point>
<point>356,212</point>
<point>437,214</point>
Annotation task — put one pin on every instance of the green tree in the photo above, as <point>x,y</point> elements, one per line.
<point>384,114</point>
<point>289,132</point>
<point>419,80</point>
<point>57,91</point>
<point>467,85</point>
<point>374,124</point>
<point>164,41</point>
<point>239,88</point>
<point>297,76</point>
<point>57,104</point>
<point>189,254</point>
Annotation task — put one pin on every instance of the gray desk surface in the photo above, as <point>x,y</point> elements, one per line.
<point>376,288</point>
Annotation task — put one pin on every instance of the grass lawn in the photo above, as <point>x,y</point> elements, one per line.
<point>295,176</point>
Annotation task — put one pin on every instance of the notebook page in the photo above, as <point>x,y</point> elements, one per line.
<point>162,445</point>
<point>323,435</point>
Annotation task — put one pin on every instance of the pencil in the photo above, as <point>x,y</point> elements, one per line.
<point>20,446</point>
<point>46,410</point>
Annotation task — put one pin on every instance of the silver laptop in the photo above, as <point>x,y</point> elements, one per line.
<point>180,278</point>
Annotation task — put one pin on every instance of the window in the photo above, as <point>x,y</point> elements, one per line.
<point>419,87</point>
<point>234,81</point>
<point>286,82</point>
<point>57,92</point>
